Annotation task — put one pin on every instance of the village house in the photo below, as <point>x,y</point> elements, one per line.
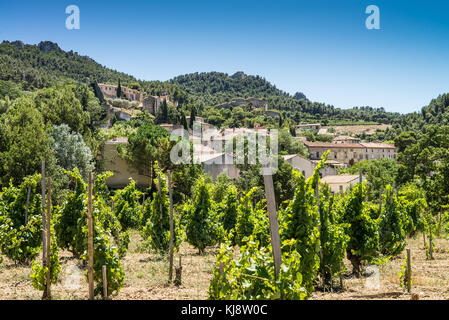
<point>216,163</point>
<point>119,167</point>
<point>306,166</point>
<point>350,153</point>
<point>341,183</point>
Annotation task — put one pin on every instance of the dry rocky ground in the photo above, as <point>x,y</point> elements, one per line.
<point>358,129</point>
<point>146,277</point>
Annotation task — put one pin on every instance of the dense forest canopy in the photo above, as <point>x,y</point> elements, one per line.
<point>212,88</point>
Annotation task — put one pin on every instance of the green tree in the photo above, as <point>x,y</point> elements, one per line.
<point>70,150</point>
<point>24,141</point>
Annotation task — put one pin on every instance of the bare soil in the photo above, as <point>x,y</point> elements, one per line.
<point>147,274</point>
<point>358,129</point>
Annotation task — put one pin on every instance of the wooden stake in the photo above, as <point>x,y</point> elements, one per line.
<point>90,244</point>
<point>178,273</point>
<point>274,228</point>
<point>220,271</point>
<point>391,195</point>
<point>317,196</point>
<point>424,239</point>
<point>342,286</point>
<point>48,241</point>
<point>160,196</point>
<point>117,231</point>
<point>27,205</point>
<point>360,176</point>
<point>430,245</point>
<point>380,203</point>
<point>44,235</point>
<point>105,282</point>
<point>172,235</point>
<point>409,272</point>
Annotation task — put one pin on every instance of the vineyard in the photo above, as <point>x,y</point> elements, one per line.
<point>223,243</point>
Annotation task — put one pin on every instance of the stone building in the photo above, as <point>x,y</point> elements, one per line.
<point>121,169</point>
<point>306,166</point>
<point>350,153</point>
<point>216,163</point>
<point>109,91</point>
<point>341,183</point>
<point>152,104</point>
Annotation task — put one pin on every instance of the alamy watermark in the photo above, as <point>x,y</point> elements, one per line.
<point>373,20</point>
<point>226,147</point>
<point>73,20</point>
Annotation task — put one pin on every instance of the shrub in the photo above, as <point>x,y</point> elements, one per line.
<point>299,221</point>
<point>157,229</point>
<point>19,241</point>
<point>252,276</point>
<point>392,234</point>
<point>361,228</point>
<point>333,238</point>
<point>202,229</point>
<point>246,218</point>
<point>127,207</point>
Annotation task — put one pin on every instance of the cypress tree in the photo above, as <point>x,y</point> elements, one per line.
<point>119,90</point>
<point>164,111</point>
<point>184,121</point>
<point>192,117</point>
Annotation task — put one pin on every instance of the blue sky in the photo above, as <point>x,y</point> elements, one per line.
<point>321,48</point>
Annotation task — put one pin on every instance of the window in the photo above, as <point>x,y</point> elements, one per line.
<point>341,188</point>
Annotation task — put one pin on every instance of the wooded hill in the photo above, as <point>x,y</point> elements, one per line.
<point>46,64</point>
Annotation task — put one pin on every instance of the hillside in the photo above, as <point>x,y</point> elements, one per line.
<point>45,64</point>
<point>38,66</point>
<point>209,89</point>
